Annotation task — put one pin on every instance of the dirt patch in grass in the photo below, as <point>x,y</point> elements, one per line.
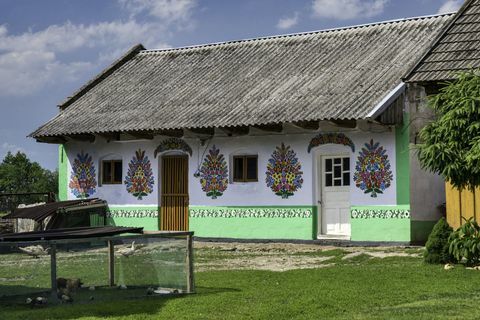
<point>285,256</point>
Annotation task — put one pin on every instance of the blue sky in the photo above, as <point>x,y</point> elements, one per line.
<point>50,48</point>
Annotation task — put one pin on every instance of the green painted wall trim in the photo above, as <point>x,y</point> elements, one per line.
<point>380,223</point>
<point>252,228</point>
<point>148,224</point>
<point>394,207</point>
<point>62,173</point>
<point>134,216</point>
<point>382,230</point>
<point>402,154</point>
<point>261,222</point>
<point>133,212</point>
<point>284,212</point>
<point>420,230</point>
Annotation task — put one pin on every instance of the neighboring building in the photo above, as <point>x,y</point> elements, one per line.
<point>300,136</point>
<point>456,49</point>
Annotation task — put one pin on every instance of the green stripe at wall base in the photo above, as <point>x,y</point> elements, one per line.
<point>134,216</point>
<point>381,223</point>
<point>148,224</point>
<point>253,222</point>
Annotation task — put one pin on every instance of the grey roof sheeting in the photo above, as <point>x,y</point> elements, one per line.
<point>457,48</point>
<point>324,75</point>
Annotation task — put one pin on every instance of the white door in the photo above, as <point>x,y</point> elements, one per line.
<point>335,195</point>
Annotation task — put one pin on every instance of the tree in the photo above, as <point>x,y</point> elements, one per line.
<point>451,143</point>
<point>19,175</point>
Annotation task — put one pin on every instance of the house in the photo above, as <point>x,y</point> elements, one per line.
<point>299,136</point>
<point>456,49</point>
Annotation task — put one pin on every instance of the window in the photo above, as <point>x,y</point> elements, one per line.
<point>112,172</point>
<point>337,172</point>
<point>245,168</point>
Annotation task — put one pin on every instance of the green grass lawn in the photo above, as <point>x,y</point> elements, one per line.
<point>358,288</point>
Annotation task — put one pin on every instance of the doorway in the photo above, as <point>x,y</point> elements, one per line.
<point>334,195</point>
<point>174,193</point>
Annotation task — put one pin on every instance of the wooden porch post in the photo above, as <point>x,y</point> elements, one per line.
<point>190,274</point>
<point>53,270</point>
<point>111,263</point>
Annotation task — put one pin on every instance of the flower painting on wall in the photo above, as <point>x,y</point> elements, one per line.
<point>214,174</point>
<point>284,175</point>
<point>82,180</point>
<point>373,173</point>
<point>139,180</point>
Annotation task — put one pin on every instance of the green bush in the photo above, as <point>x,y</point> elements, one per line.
<point>437,246</point>
<point>465,242</point>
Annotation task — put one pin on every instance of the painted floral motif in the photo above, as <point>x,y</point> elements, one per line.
<point>82,180</point>
<point>136,213</point>
<point>283,172</point>
<point>372,170</point>
<point>380,214</point>
<point>335,138</point>
<point>139,179</point>
<point>219,212</point>
<point>214,174</point>
<point>173,144</point>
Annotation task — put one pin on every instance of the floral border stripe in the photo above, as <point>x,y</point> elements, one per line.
<point>380,214</point>
<point>135,213</point>
<point>251,213</point>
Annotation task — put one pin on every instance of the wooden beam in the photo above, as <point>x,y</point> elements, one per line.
<point>274,127</point>
<point>176,133</point>
<point>111,264</point>
<point>350,124</point>
<point>82,137</point>
<point>110,136</point>
<point>307,125</point>
<point>189,262</point>
<point>236,131</point>
<point>53,270</point>
<point>55,140</point>
<point>202,131</point>
<point>141,134</point>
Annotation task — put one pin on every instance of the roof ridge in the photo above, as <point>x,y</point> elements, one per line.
<point>287,35</point>
<point>102,75</point>
<point>435,42</point>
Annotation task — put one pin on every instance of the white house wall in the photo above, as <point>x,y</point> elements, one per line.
<point>236,194</point>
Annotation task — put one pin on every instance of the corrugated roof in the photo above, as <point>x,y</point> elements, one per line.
<point>69,233</point>
<point>456,49</point>
<point>38,213</point>
<point>334,74</point>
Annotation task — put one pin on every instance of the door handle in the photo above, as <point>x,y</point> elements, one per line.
<point>319,202</point>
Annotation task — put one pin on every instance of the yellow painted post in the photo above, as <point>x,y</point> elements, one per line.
<point>468,205</point>
<point>453,205</point>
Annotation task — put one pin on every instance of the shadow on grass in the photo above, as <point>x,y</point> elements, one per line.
<point>139,305</point>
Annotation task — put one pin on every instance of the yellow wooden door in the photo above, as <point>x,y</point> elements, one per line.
<point>174,203</point>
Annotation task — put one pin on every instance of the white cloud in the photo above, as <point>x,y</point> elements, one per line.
<point>348,9</point>
<point>288,22</point>
<point>167,10</point>
<point>450,6</point>
<point>31,61</point>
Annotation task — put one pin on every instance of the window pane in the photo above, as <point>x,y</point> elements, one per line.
<point>106,171</point>
<point>328,165</point>
<point>117,173</point>
<point>346,179</point>
<point>238,168</point>
<point>328,180</point>
<point>252,168</point>
<point>337,171</point>
<point>346,164</point>
<point>338,183</point>
<point>337,161</point>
